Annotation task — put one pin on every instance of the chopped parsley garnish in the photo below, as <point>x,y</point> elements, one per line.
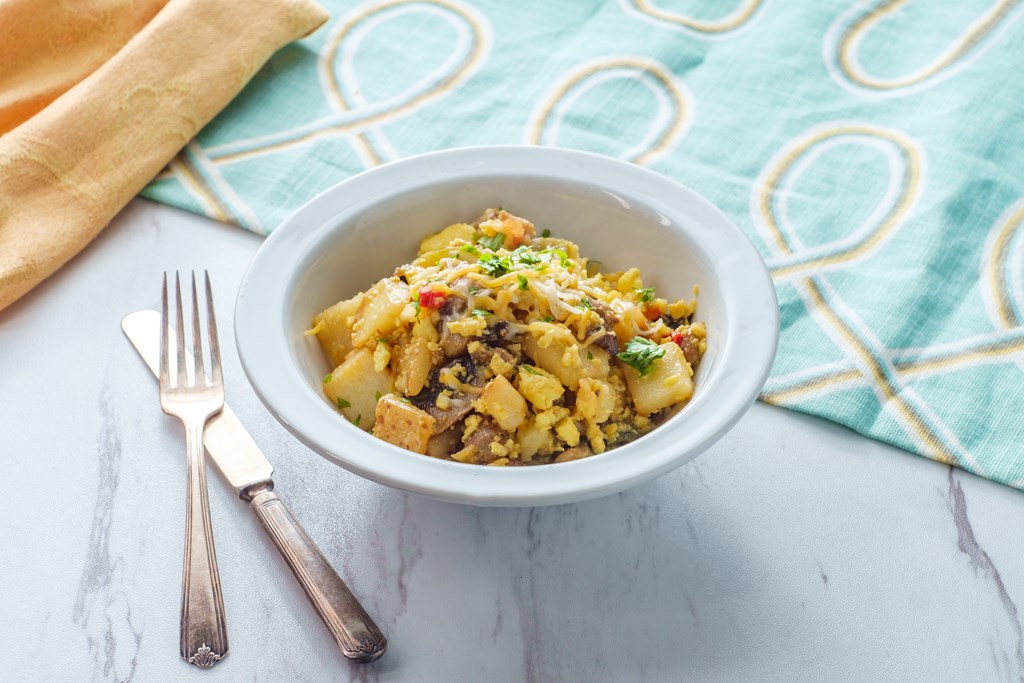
<point>470,249</point>
<point>530,370</point>
<point>523,282</point>
<point>494,242</point>
<point>474,289</point>
<point>590,355</point>
<point>328,377</point>
<point>525,255</point>
<point>545,233</point>
<point>494,266</point>
<point>416,305</point>
<point>480,312</point>
<point>376,396</point>
<point>585,303</point>
<point>342,403</point>
<point>548,318</point>
<point>357,420</point>
<point>646,294</point>
<point>640,354</point>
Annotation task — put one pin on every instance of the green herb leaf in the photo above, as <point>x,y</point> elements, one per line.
<point>328,377</point>
<point>494,242</point>
<point>357,420</point>
<point>416,305</point>
<point>530,370</point>
<point>342,403</point>
<point>470,249</point>
<point>480,312</point>
<point>590,355</point>
<point>585,303</point>
<point>523,282</point>
<point>548,318</point>
<point>494,266</point>
<point>545,233</point>
<point>646,294</point>
<point>474,289</point>
<point>377,396</point>
<point>525,256</point>
<point>640,354</point>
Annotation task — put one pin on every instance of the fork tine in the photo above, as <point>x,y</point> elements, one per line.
<point>182,378</point>
<point>197,338</point>
<point>215,370</point>
<point>165,375</point>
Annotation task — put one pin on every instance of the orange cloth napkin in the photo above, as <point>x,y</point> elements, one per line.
<point>97,96</point>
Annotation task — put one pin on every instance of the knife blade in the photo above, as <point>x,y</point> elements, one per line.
<point>233,451</point>
<point>245,468</point>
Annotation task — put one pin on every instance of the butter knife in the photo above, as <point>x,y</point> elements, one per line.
<point>248,471</point>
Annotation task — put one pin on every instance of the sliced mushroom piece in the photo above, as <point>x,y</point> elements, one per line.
<point>452,344</point>
<point>444,419</point>
<point>447,442</point>
<point>480,440</point>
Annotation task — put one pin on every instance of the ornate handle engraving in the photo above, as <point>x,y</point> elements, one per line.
<point>349,624</point>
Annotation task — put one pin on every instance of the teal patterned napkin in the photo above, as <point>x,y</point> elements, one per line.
<point>873,152</point>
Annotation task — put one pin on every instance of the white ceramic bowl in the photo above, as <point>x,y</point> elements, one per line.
<point>359,230</point>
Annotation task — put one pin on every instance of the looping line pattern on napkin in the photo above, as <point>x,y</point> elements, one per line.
<point>845,37</point>
<point>1004,269</point>
<point>870,152</point>
<point>906,162</point>
<point>740,17</point>
<point>675,104</point>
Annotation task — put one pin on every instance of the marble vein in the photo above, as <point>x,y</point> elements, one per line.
<point>980,561</point>
<point>102,609</point>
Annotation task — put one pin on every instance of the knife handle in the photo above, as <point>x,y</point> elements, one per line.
<point>349,624</point>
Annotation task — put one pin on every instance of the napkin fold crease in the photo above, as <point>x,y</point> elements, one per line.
<point>67,166</point>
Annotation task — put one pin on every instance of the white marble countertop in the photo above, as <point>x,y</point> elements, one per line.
<point>792,550</point>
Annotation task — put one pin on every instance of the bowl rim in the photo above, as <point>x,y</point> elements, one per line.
<point>262,318</point>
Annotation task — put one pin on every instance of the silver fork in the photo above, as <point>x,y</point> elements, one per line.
<point>204,636</point>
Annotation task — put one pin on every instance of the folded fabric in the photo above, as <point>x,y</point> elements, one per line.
<point>70,164</point>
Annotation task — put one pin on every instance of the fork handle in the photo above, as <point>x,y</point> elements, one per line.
<point>204,636</point>
<point>349,624</point>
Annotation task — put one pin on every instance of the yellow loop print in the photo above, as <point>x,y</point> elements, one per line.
<point>728,23</point>
<point>795,261</point>
<point>848,44</point>
<point>348,121</point>
<point>998,260</point>
<point>680,102</point>
<point>359,18</point>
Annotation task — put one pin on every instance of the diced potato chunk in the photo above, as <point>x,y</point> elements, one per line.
<point>335,336</point>
<point>501,401</point>
<point>399,422</point>
<point>414,363</point>
<point>533,439</point>
<point>442,239</point>
<point>355,386</point>
<point>669,382</point>
<point>568,362</point>
<point>540,387</point>
<point>378,315</point>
